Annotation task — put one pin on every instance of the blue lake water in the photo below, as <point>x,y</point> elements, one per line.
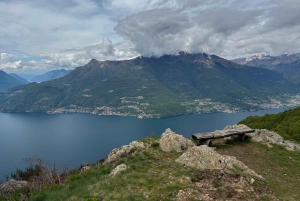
<point>75,139</point>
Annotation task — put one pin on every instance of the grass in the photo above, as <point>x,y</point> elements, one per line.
<point>153,175</point>
<point>280,167</point>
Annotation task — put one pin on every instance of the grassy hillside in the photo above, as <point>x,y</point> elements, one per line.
<point>153,175</point>
<point>286,123</point>
<point>277,165</point>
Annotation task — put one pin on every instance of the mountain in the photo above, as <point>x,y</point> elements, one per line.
<point>289,65</point>
<point>7,81</point>
<point>285,63</point>
<point>155,87</point>
<point>16,76</point>
<point>51,75</point>
<point>27,76</point>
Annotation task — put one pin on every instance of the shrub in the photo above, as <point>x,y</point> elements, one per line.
<point>29,172</point>
<point>155,144</point>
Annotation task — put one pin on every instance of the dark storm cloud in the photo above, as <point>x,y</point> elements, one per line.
<point>215,26</point>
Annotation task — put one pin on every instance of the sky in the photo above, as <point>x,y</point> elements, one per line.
<point>42,35</point>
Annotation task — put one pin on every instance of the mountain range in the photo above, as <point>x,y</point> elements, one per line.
<point>285,63</point>
<point>149,87</point>
<point>51,75</point>
<point>289,65</point>
<point>18,77</point>
<point>7,81</point>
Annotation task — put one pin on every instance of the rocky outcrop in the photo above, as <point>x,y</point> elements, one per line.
<point>266,136</point>
<point>125,150</point>
<point>13,186</point>
<point>170,141</point>
<point>203,157</point>
<point>118,169</point>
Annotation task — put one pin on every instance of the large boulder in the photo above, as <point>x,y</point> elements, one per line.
<point>125,150</point>
<point>266,136</point>
<point>171,141</point>
<point>12,186</point>
<point>204,157</point>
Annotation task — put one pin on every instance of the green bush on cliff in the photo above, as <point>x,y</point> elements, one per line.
<point>286,123</point>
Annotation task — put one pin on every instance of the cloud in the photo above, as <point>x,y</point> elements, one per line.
<point>158,36</point>
<point>5,58</point>
<point>71,58</point>
<point>7,64</point>
<point>34,27</point>
<point>168,31</point>
<point>71,33</point>
<point>82,55</point>
<point>227,28</point>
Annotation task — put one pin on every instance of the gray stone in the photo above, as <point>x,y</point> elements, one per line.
<point>239,126</point>
<point>171,141</point>
<point>118,169</point>
<point>203,157</point>
<point>13,186</point>
<point>266,136</point>
<point>125,150</point>
<point>292,145</point>
<point>270,137</point>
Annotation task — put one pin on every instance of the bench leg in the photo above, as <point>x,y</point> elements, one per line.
<point>243,137</point>
<point>204,142</point>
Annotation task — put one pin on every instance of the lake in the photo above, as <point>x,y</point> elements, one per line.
<point>75,139</point>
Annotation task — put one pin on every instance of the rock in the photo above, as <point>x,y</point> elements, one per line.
<point>203,157</point>
<point>171,141</point>
<point>266,136</point>
<point>239,126</point>
<point>85,168</point>
<point>12,186</point>
<point>291,145</point>
<point>270,137</point>
<point>118,169</point>
<point>125,150</point>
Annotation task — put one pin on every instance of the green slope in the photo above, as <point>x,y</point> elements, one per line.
<point>286,123</point>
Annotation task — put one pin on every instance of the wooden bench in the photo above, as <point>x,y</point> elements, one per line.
<point>205,138</point>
